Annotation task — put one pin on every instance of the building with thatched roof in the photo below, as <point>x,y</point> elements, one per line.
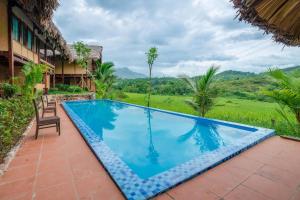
<point>278,17</point>
<point>71,73</point>
<point>27,33</point>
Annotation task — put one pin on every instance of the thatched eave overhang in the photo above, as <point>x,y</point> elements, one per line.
<point>41,13</point>
<point>281,18</point>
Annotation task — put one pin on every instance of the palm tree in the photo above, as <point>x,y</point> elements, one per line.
<point>287,95</point>
<point>203,96</point>
<point>104,78</point>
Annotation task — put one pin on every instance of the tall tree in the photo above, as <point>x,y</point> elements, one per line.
<point>203,95</point>
<point>104,78</point>
<point>83,54</point>
<point>287,95</point>
<point>151,57</point>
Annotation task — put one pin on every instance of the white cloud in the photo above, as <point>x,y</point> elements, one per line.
<point>190,35</point>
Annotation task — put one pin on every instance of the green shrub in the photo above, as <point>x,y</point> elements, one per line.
<point>9,90</point>
<point>74,88</point>
<point>119,94</point>
<point>62,87</point>
<point>15,114</point>
<point>69,88</point>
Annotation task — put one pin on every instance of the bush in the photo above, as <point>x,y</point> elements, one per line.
<point>69,88</point>
<point>62,87</point>
<point>9,90</point>
<point>74,88</point>
<point>119,94</point>
<point>15,114</point>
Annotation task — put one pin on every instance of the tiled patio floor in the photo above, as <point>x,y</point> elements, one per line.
<point>54,167</point>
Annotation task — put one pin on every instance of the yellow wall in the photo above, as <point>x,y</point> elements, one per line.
<point>3,26</point>
<point>70,68</point>
<point>23,51</point>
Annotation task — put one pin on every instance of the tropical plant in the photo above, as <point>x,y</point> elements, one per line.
<point>83,54</point>
<point>203,95</point>
<point>151,57</point>
<point>104,78</point>
<point>33,74</point>
<point>287,95</point>
<point>9,90</point>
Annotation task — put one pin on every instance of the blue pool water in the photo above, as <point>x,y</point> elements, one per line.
<point>148,142</point>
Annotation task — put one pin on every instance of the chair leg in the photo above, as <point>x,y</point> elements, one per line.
<point>58,128</point>
<point>36,131</point>
<point>43,113</point>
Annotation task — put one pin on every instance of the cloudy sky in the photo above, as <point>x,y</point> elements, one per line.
<point>190,35</point>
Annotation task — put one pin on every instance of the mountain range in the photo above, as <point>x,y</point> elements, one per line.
<point>126,73</point>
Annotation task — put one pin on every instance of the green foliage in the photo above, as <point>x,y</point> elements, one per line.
<point>74,89</point>
<point>15,113</point>
<point>104,78</point>
<point>203,95</point>
<point>9,90</point>
<point>83,54</point>
<point>33,74</point>
<point>151,57</point>
<point>63,88</point>
<point>287,95</point>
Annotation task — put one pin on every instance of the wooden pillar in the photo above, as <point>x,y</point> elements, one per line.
<point>54,79</point>
<point>63,70</point>
<point>11,66</point>
<point>53,60</point>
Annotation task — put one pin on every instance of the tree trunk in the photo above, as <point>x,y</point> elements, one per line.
<point>150,86</point>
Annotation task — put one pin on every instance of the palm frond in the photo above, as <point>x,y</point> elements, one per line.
<point>189,81</point>
<point>191,103</point>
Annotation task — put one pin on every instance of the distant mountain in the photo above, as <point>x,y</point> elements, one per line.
<point>291,69</point>
<point>126,73</point>
<point>234,75</point>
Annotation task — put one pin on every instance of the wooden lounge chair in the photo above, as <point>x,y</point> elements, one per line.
<point>48,109</point>
<point>45,122</point>
<point>49,102</point>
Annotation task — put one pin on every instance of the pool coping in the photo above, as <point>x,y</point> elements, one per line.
<point>133,187</point>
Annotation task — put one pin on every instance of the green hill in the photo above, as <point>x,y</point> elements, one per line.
<point>237,84</point>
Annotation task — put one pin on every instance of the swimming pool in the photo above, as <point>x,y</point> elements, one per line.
<point>147,151</point>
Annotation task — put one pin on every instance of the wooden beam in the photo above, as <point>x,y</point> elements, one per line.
<point>11,67</point>
<point>63,70</point>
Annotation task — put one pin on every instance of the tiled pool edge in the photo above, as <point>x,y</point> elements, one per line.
<point>77,128</point>
<point>134,188</point>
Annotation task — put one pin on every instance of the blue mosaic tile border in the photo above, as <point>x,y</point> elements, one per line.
<point>135,188</point>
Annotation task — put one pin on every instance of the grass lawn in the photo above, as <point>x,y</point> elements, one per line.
<point>252,112</point>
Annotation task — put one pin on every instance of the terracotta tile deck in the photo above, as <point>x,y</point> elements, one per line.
<point>54,167</point>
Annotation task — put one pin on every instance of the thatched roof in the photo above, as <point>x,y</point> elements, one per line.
<point>279,17</point>
<point>41,11</point>
<point>95,54</point>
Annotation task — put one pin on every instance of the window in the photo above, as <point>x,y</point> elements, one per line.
<point>29,39</point>
<point>15,28</point>
<point>24,34</point>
